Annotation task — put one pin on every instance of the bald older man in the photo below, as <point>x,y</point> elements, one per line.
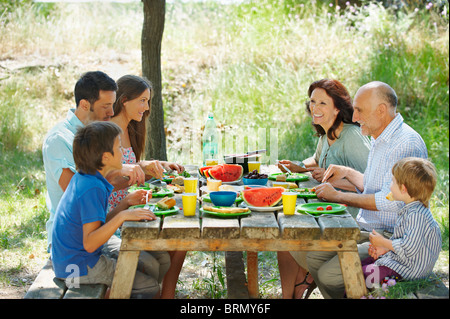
<point>375,109</point>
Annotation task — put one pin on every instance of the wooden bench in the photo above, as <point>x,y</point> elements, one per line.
<point>47,286</point>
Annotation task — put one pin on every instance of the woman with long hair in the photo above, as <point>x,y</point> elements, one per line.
<point>341,143</point>
<point>131,110</point>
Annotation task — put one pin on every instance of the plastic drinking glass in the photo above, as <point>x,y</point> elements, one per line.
<point>189,201</point>
<point>190,184</point>
<point>254,165</point>
<point>289,202</point>
<point>211,161</point>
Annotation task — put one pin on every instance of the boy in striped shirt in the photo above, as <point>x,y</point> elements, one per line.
<point>414,247</point>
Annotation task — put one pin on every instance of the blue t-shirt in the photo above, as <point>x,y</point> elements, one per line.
<point>84,201</point>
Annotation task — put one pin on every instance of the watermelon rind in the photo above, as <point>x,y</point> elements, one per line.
<point>262,197</point>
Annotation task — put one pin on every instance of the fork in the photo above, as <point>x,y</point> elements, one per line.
<point>146,206</point>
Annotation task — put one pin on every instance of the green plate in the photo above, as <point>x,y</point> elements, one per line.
<point>311,208</point>
<point>294,177</point>
<point>206,198</point>
<point>161,193</point>
<point>168,178</point>
<point>303,193</point>
<point>158,211</point>
<point>223,214</point>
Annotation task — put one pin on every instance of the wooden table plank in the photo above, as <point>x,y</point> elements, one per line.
<point>227,228</point>
<point>298,226</point>
<point>260,225</point>
<point>124,274</point>
<point>147,229</point>
<point>339,228</point>
<point>355,286</point>
<point>180,226</point>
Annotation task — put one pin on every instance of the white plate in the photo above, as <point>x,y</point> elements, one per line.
<point>264,209</point>
<point>236,188</point>
<point>232,183</point>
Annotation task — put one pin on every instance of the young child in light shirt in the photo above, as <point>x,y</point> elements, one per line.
<point>414,247</point>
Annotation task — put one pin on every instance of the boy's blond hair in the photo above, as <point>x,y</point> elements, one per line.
<point>418,175</point>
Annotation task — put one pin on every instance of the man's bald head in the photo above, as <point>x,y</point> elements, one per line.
<point>384,92</point>
<point>374,106</point>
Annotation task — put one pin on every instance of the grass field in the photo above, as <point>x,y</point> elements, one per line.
<point>249,63</point>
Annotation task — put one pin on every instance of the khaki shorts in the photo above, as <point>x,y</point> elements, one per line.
<point>144,286</point>
<point>101,273</point>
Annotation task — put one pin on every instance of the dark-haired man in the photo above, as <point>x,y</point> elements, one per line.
<point>95,94</point>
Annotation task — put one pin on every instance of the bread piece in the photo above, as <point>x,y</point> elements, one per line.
<point>176,188</point>
<point>281,178</point>
<point>179,180</point>
<point>226,210</point>
<point>292,185</point>
<point>166,203</point>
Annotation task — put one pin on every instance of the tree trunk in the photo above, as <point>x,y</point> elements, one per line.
<point>152,32</point>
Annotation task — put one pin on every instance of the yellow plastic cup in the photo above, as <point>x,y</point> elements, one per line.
<point>280,184</point>
<point>190,184</point>
<point>213,184</point>
<point>289,202</point>
<point>189,204</point>
<point>211,161</point>
<point>254,165</point>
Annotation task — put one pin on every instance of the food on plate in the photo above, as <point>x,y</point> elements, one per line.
<point>305,190</point>
<point>166,203</point>
<point>390,196</point>
<point>281,178</point>
<point>262,197</point>
<point>176,188</point>
<point>226,210</point>
<point>329,207</point>
<point>225,172</point>
<point>319,208</point>
<point>179,180</point>
<point>255,175</point>
<point>227,188</point>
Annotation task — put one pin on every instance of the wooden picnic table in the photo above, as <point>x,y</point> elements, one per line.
<point>259,231</point>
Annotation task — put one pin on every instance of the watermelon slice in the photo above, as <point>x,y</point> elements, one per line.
<point>202,170</point>
<point>263,197</point>
<point>226,172</point>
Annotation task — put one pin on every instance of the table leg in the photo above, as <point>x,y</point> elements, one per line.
<point>124,275</point>
<point>355,286</point>
<point>252,274</point>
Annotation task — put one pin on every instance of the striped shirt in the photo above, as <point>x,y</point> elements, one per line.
<point>397,141</point>
<point>416,241</point>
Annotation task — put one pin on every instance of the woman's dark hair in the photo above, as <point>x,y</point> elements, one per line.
<point>342,101</point>
<point>90,142</point>
<point>90,84</point>
<point>129,88</point>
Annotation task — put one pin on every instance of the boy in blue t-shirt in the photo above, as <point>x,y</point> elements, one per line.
<point>81,225</point>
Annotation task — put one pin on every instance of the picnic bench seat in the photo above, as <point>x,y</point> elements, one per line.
<point>47,286</point>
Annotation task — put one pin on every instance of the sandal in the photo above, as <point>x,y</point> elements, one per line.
<point>309,286</point>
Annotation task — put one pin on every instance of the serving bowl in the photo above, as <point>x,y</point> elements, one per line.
<point>255,181</point>
<point>223,198</point>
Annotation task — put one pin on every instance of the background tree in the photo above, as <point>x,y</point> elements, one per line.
<point>152,32</point>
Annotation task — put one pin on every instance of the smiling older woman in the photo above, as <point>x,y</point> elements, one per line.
<point>340,139</point>
<point>341,143</point>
